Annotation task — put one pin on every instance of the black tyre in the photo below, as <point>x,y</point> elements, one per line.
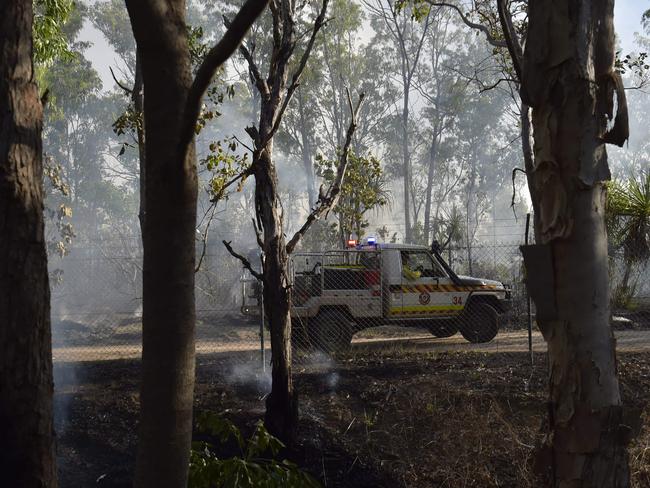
<point>443,328</point>
<point>331,331</point>
<point>480,323</point>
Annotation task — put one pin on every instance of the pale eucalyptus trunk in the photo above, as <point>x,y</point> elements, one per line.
<point>406,161</point>
<point>307,152</point>
<point>27,458</point>
<point>431,171</point>
<point>568,81</point>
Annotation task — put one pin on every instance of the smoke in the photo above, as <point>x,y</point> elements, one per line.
<point>250,374</point>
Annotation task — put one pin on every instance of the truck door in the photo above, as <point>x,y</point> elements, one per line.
<point>427,290</point>
<point>391,265</point>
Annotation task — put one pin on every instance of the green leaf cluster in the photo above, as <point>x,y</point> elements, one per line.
<point>58,215</point>
<point>364,189</point>
<point>225,164</point>
<point>50,40</point>
<point>628,216</point>
<point>256,467</point>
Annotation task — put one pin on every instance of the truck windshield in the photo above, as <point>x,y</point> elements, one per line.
<point>422,262</point>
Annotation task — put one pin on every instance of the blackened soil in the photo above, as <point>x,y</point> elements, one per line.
<point>374,420</point>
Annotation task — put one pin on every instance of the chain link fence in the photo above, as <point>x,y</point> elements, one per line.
<point>364,298</point>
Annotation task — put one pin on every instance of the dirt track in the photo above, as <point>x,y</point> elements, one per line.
<point>517,341</point>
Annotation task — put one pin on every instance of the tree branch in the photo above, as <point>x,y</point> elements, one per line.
<point>218,55</point>
<point>258,234</point>
<point>254,70</point>
<point>328,200</point>
<point>245,262</point>
<point>123,87</point>
<point>204,237</point>
<point>244,174</point>
<point>295,79</point>
<point>510,35</point>
<point>488,35</point>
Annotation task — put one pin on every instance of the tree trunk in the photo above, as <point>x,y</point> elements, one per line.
<point>406,157</point>
<point>568,81</point>
<point>167,389</point>
<point>281,405</point>
<point>433,151</point>
<point>137,96</point>
<point>306,152</point>
<point>471,213</point>
<point>26,385</point>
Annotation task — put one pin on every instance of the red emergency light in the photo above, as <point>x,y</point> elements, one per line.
<point>352,243</point>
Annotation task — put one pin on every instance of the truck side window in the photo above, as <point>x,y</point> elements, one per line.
<point>422,263</point>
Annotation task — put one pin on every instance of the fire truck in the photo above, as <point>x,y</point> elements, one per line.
<point>337,293</point>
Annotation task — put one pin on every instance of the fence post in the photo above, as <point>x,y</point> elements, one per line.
<point>530,316</point>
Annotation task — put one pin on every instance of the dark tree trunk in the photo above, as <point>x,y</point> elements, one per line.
<point>569,83</point>
<point>27,458</point>
<point>281,405</point>
<point>137,96</point>
<point>166,394</point>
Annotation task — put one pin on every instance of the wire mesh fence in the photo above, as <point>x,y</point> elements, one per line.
<point>363,298</point>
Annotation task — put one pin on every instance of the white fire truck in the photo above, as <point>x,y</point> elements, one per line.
<point>338,293</point>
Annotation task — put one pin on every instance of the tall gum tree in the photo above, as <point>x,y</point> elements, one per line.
<point>568,79</point>
<point>172,104</point>
<point>26,385</point>
<point>275,90</point>
<point>402,30</point>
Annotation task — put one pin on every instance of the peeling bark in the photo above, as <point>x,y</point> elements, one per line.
<point>26,386</point>
<point>281,405</point>
<point>275,94</point>
<point>568,81</point>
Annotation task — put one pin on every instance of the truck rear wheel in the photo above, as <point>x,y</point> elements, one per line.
<point>443,328</point>
<point>331,331</point>
<point>480,323</point>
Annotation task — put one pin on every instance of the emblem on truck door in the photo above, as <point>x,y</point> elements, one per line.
<point>424,298</point>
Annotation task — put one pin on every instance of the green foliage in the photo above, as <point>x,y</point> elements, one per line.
<point>198,49</point>
<point>58,214</point>
<point>628,226</point>
<point>50,41</point>
<point>226,166</point>
<point>363,190</point>
<point>634,64</point>
<point>322,236</point>
<point>628,216</point>
<point>252,469</point>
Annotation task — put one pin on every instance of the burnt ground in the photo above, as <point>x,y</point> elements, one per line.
<point>373,419</point>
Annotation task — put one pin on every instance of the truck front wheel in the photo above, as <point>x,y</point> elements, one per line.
<point>480,323</point>
<point>331,331</point>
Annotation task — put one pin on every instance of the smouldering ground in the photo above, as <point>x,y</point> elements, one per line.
<point>377,418</point>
